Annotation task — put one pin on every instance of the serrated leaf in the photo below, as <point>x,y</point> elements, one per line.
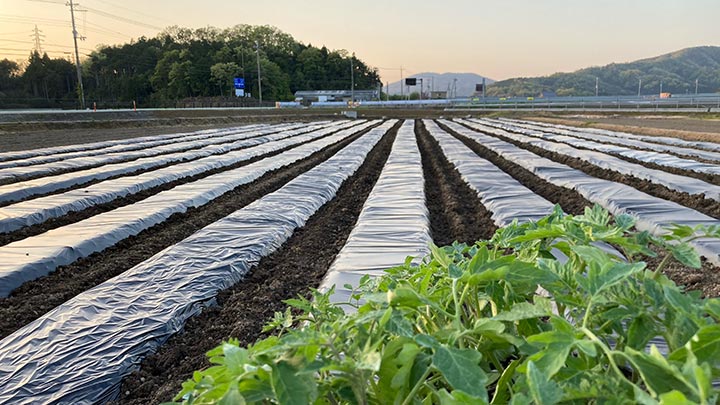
<point>461,370</point>
<point>686,254</point>
<point>625,221</point>
<point>455,271</point>
<point>681,231</point>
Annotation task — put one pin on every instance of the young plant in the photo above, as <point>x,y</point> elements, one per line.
<point>544,312</point>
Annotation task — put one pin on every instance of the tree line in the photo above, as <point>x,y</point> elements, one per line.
<point>181,63</point>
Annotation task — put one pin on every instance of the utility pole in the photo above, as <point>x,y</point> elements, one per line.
<point>597,84</point>
<point>660,86</point>
<point>401,83</point>
<point>77,55</point>
<point>37,39</point>
<point>352,80</point>
<point>639,86</point>
<point>696,86</point>
<point>257,51</point>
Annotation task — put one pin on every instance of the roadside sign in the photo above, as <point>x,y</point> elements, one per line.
<point>239,83</point>
<point>239,93</point>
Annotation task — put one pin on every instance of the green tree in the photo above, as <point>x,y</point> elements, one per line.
<point>223,75</point>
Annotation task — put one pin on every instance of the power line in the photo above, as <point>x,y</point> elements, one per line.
<point>134,11</point>
<point>122,19</point>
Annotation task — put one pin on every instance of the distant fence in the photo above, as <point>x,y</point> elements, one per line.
<point>698,102</point>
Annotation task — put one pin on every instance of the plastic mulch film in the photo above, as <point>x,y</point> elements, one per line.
<point>712,156</point>
<point>79,352</point>
<point>78,163</point>
<point>24,154</point>
<point>122,147</point>
<point>41,209</point>
<point>29,188</point>
<point>393,223</point>
<point>675,182</point>
<point>652,214</point>
<point>711,146</point>
<point>503,196</point>
<point>662,159</point>
<point>36,256</point>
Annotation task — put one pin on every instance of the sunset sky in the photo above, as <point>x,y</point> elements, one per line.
<point>496,38</point>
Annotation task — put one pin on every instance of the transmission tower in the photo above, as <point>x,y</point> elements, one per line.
<point>37,37</point>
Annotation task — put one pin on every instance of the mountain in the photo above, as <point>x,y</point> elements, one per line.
<point>440,81</point>
<point>677,71</point>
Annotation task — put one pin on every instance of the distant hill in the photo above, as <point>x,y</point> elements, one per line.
<point>465,82</point>
<point>677,71</point>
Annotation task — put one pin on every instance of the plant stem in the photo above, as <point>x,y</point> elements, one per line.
<point>416,388</point>
<point>663,263</point>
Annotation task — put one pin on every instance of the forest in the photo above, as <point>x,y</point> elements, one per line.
<point>675,72</point>
<point>181,64</point>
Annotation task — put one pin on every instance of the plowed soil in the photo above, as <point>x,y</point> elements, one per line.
<point>456,213</point>
<point>570,200</point>
<point>697,202</point>
<point>76,216</point>
<point>243,309</point>
<point>34,298</point>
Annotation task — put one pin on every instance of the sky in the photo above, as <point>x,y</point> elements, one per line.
<point>498,39</point>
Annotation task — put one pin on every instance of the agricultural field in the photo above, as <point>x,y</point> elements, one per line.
<point>124,261</point>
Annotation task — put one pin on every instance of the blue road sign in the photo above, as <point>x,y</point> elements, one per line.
<point>239,83</point>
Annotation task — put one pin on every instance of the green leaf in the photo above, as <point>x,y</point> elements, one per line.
<point>440,256</point>
<point>479,258</point>
<point>659,375</point>
<point>461,369</point>
<point>523,310</point>
<point>292,387</point>
<point>405,297</point>
<point>542,390</point>
<point>426,341</point>
<point>504,384</point>
<point>458,397</point>
<point>455,271</point>
<point>705,345</point>
<point>674,398</point>
<point>232,397</point>
<point>625,221</point>
<point>685,254</point>
<point>395,369</point>
<point>641,330</point>
<point>681,231</point>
